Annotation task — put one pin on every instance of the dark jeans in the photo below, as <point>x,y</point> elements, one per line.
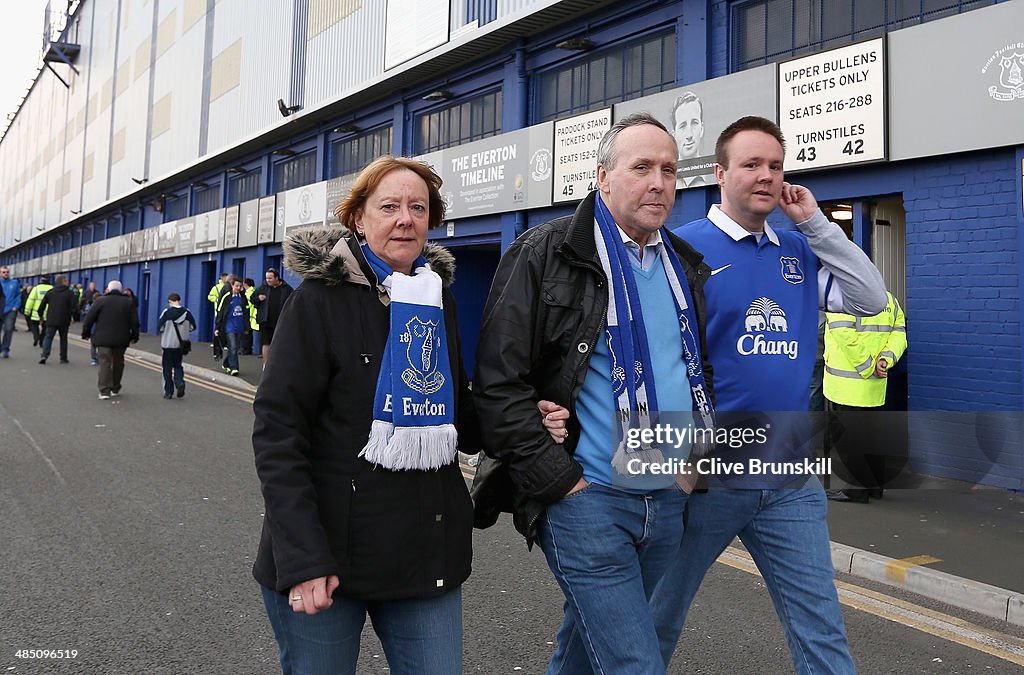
<point>111,368</point>
<point>48,341</point>
<point>7,329</point>
<point>231,350</point>
<point>174,374</point>
<point>33,327</point>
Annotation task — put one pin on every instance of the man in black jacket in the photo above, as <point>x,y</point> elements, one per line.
<point>607,530</point>
<point>55,312</point>
<point>117,325</point>
<point>269,299</point>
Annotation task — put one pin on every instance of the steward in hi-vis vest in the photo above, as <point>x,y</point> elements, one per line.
<point>858,353</point>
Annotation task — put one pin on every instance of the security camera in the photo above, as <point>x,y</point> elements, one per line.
<point>285,109</point>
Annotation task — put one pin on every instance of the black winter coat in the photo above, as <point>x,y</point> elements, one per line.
<point>386,534</point>
<point>115,319</point>
<point>543,317</point>
<point>58,306</point>
<point>284,290</point>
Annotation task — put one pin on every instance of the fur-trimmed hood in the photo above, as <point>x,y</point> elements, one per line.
<point>324,254</point>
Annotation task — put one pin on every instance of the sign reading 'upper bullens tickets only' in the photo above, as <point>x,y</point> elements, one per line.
<point>832,107</point>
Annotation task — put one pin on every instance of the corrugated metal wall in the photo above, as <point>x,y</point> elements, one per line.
<point>100,91</point>
<point>178,87</point>
<point>344,50</point>
<point>131,89</point>
<point>127,116</point>
<point>262,42</point>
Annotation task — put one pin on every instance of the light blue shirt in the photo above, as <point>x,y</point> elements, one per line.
<point>594,406</point>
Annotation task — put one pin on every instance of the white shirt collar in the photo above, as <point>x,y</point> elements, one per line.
<point>734,229</point>
<point>654,240</point>
<point>651,252</point>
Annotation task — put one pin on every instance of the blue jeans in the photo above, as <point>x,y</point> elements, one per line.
<point>48,341</point>
<point>7,328</point>
<point>608,549</point>
<point>786,534</point>
<point>419,635</point>
<point>174,374</point>
<point>231,350</point>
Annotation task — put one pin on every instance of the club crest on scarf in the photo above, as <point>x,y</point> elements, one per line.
<point>692,354</point>
<point>414,406</point>
<point>618,372</point>
<point>423,345</point>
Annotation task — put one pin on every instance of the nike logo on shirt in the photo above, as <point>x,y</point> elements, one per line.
<point>724,267</point>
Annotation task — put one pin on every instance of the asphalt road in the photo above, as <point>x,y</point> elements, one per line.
<point>128,526</point>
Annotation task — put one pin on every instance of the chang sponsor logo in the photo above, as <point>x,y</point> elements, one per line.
<point>764,318</point>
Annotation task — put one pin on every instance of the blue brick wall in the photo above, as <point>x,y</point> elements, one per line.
<point>963,293</point>
<point>963,286</point>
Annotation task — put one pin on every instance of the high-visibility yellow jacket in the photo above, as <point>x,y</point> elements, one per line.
<point>252,309</point>
<point>853,346</point>
<point>214,294</point>
<point>35,298</point>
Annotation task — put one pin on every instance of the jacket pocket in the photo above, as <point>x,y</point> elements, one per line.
<point>563,313</point>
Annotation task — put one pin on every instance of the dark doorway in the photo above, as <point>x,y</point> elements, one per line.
<point>144,303</point>
<point>209,278</point>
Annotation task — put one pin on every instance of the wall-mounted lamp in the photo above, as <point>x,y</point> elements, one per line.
<point>284,152</point>
<point>438,95</point>
<point>842,215</point>
<point>40,228</point>
<point>199,184</point>
<point>286,109</point>
<point>73,212</point>
<point>576,44</point>
<point>237,169</point>
<point>346,129</point>
<point>17,239</point>
<point>140,181</point>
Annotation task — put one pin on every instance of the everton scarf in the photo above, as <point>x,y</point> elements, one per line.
<point>633,387</point>
<point>414,407</point>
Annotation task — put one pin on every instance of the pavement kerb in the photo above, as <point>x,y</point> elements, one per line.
<point>974,596</point>
<point>220,378</point>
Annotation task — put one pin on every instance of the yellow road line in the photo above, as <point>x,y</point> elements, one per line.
<point>905,613</point>
<point>205,384</point>
<point>215,387</point>
<point>897,569</point>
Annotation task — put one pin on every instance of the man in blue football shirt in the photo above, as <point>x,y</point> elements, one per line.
<point>762,310</point>
<point>232,322</point>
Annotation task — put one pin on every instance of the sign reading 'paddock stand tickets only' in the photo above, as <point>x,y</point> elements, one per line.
<point>832,107</point>
<point>576,141</point>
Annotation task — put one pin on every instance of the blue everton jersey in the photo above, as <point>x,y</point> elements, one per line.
<point>762,314</point>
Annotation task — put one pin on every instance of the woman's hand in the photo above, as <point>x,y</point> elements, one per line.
<point>554,418</point>
<point>314,595</point>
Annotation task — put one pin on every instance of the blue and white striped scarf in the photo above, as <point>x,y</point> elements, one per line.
<point>633,377</point>
<point>414,407</point>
